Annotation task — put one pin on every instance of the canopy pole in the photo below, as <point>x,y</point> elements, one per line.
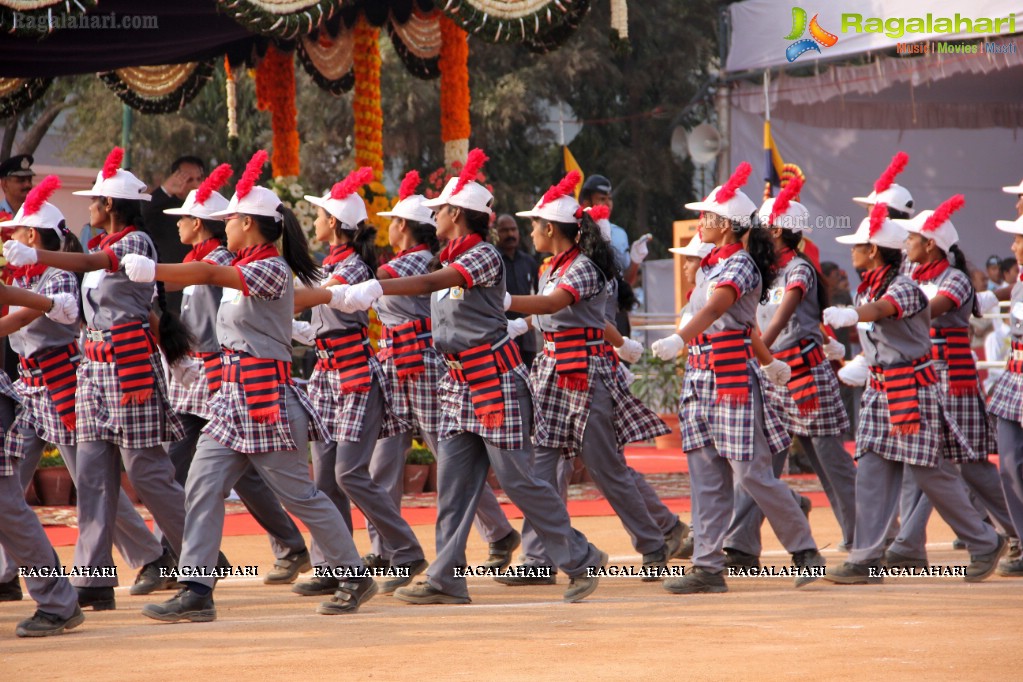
<point>126,116</point>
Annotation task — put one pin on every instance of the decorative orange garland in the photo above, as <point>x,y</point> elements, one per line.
<point>369,117</point>
<point>275,91</point>
<point>454,88</point>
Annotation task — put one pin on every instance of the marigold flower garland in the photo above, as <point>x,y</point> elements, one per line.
<point>275,91</point>
<point>369,117</point>
<point>454,91</point>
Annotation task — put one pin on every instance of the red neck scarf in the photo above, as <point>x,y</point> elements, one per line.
<point>201,250</point>
<point>925,272</point>
<point>785,257</point>
<point>720,253</point>
<point>456,247</point>
<point>563,261</point>
<point>253,253</point>
<point>338,252</point>
<point>414,249</point>
<point>104,240</point>
<point>28,272</point>
<point>872,280</point>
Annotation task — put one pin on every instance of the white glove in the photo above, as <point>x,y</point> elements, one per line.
<point>139,268</point>
<point>186,370</point>
<point>834,350</point>
<point>987,301</point>
<point>64,310</point>
<point>338,292</point>
<point>363,295</point>
<point>669,348</point>
<point>302,332</point>
<point>855,372</point>
<point>507,300</point>
<point>630,350</point>
<point>836,317</point>
<point>517,327</point>
<point>639,249</point>
<point>777,372</point>
<point>627,376</point>
<point>18,254</point>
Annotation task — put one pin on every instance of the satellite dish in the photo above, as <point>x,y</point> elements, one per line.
<point>679,146</point>
<point>704,144</point>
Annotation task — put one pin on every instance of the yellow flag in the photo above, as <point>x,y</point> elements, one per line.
<point>572,165</point>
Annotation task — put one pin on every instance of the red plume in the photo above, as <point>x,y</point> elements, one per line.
<point>943,212</point>
<point>473,163</point>
<point>786,196</point>
<point>213,182</point>
<point>40,194</point>
<point>408,185</point>
<point>351,184</point>
<point>878,215</point>
<point>599,212</point>
<point>562,189</point>
<point>738,179</point>
<point>253,169</point>
<point>113,162</point>
<point>897,165</point>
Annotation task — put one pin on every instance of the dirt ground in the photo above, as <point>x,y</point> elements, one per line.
<point>934,628</point>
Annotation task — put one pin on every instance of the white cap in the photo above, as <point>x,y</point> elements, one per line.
<point>738,206</point>
<point>213,204</point>
<point>795,216</point>
<point>349,210</point>
<point>259,201</point>
<point>945,235</point>
<point>1010,226</point>
<point>412,208</point>
<point>121,185</point>
<point>695,248</point>
<point>889,235</point>
<point>47,217</point>
<point>896,196</point>
<point>1014,189</point>
<point>472,196</point>
<point>561,210</point>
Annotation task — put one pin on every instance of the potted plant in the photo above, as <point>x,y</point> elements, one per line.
<point>417,468</point>
<point>53,480</point>
<point>658,385</point>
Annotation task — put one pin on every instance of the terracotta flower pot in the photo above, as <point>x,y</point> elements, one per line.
<point>54,486</point>
<point>129,489</point>
<point>431,479</point>
<point>415,478</point>
<point>674,439</point>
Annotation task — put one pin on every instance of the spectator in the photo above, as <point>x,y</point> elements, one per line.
<point>996,349</point>
<point>15,180</point>
<point>980,327</point>
<point>1010,271</point>
<point>520,276</point>
<point>994,273</point>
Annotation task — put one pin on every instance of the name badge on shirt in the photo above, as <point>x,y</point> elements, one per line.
<point>549,288</point>
<point>865,326</point>
<point>93,279</point>
<point>775,295</point>
<point>710,288</point>
<point>1017,311</point>
<point>930,290</point>
<point>232,296</point>
<point>456,293</point>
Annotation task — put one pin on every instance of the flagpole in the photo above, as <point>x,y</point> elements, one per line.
<point>767,130</point>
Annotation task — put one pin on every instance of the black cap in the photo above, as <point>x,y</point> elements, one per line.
<point>597,183</point>
<point>19,166</point>
<point>994,260</point>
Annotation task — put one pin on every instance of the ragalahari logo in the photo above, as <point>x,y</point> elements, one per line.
<point>817,35</point>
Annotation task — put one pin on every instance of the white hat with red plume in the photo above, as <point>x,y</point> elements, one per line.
<point>464,191</point>
<point>249,199</point>
<point>411,206</point>
<point>114,182</point>
<point>877,229</point>
<point>558,203</point>
<point>886,191</point>
<point>936,224</point>
<point>343,200</point>
<point>785,210</point>
<point>37,211</point>
<point>205,200</point>
<point>728,200</point>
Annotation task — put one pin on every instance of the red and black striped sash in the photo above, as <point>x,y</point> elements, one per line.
<point>802,359</point>
<point>260,380</point>
<point>899,383</point>
<point>726,354</point>
<point>481,367</point>
<point>347,353</point>
<point>129,346</point>
<point>213,368</point>
<point>406,343</point>
<point>952,344</point>
<point>571,350</point>
<point>55,368</point>
<point>1015,362</point>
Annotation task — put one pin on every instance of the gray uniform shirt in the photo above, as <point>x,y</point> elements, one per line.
<point>326,320</point>
<point>396,310</point>
<point>585,280</point>
<point>738,271</point>
<point>200,304</point>
<point>110,298</point>
<point>260,323</point>
<point>42,332</point>
<point>906,336</point>
<point>467,317</point>
<point>805,321</point>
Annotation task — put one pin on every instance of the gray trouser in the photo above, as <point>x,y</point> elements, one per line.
<point>99,477</point>
<point>743,531</point>
<point>878,490</point>
<point>462,473</point>
<point>350,462</point>
<point>1010,464</point>
<point>665,519</point>
<point>215,470</point>
<point>837,473</point>
<point>612,476</point>
<point>259,500</point>
<point>25,541</point>
<point>984,490</point>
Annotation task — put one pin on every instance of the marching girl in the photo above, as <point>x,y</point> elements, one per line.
<point>194,379</point>
<point>940,271</point>
<point>809,404</point>
<point>728,432</point>
<point>902,423</point>
<point>121,399</point>
<point>347,388</point>
<point>49,357</point>
<point>486,405</point>
<point>588,411</point>
<point>258,416</point>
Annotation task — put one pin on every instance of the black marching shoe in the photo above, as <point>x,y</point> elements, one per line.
<point>185,605</point>
<point>849,573</point>
<point>808,559</point>
<point>11,590</point>
<point>655,564</point>
<point>735,558</point>
<point>501,550</point>
<point>350,595</point>
<point>896,560</point>
<point>529,575</point>
<point>675,539</point>
<point>286,570</point>
<point>411,570</point>
<point>696,581</point>
<point>317,586</point>
<point>983,565</point>
<point>149,580</point>
<point>43,624</point>
<point>375,561</point>
<point>99,598</point>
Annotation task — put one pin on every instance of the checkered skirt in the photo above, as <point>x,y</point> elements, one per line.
<point>457,415</point>
<point>830,420</point>
<point>415,401</point>
<point>344,415</point>
<point>231,425</point>
<point>969,413</point>
<point>729,428</point>
<point>1007,397</point>
<point>194,399</point>
<point>7,454</point>
<point>101,416</point>
<point>567,412</point>
<point>37,415</point>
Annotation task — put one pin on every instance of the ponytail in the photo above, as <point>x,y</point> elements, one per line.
<point>586,234</point>
<point>791,239</point>
<point>958,260</point>
<point>424,233</point>
<point>892,257</point>
<point>760,247</point>
<point>295,246</point>
<point>216,228</point>
<point>364,243</point>
<point>61,239</point>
